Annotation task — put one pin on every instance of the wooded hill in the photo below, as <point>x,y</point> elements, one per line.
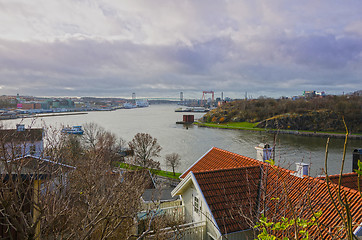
<point>315,114</point>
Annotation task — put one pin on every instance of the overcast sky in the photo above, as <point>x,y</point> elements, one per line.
<point>158,48</point>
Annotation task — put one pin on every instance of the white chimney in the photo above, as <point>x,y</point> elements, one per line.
<point>263,152</point>
<point>20,127</point>
<point>301,169</point>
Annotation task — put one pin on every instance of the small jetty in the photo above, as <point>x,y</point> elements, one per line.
<point>187,119</point>
<point>192,109</point>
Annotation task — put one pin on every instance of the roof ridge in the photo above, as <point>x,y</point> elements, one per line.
<point>343,187</point>
<point>189,169</point>
<point>225,169</point>
<point>315,179</point>
<point>344,174</point>
<point>236,154</point>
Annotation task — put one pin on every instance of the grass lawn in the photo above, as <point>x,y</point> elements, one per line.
<point>154,171</point>
<point>232,125</point>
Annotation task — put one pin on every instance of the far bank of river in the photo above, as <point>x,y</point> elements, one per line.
<point>193,142</point>
<point>281,131</point>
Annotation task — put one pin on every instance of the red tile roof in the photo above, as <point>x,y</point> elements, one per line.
<point>231,195</point>
<point>304,195</point>
<point>281,194</point>
<point>349,180</point>
<point>217,158</point>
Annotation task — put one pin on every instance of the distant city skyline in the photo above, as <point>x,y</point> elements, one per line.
<point>106,48</point>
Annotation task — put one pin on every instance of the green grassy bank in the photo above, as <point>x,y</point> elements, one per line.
<point>252,127</point>
<point>154,171</point>
<point>232,125</point>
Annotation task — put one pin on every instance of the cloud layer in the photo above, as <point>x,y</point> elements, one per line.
<point>159,48</point>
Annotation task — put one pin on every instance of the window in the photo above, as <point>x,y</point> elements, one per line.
<point>197,205</point>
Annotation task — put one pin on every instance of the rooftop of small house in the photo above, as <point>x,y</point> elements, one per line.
<point>30,165</point>
<point>158,194</point>
<point>21,134</point>
<point>238,190</point>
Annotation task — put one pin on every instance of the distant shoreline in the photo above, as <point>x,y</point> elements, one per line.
<point>42,115</point>
<point>57,114</point>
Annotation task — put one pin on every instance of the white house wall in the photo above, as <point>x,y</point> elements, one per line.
<point>205,215</point>
<point>187,202</point>
<point>25,148</point>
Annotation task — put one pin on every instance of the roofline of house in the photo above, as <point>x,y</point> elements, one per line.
<point>42,159</point>
<point>196,162</point>
<point>181,185</point>
<point>153,181</point>
<point>26,176</point>
<point>337,175</point>
<point>226,169</point>
<point>358,230</point>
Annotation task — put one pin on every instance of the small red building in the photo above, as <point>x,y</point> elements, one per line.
<point>188,118</point>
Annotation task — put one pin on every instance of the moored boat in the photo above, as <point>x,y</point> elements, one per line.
<point>73,130</point>
<point>129,105</point>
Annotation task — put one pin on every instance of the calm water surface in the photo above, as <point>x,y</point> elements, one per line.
<point>194,142</point>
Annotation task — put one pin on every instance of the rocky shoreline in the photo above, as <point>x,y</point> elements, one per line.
<point>291,132</point>
<point>316,134</point>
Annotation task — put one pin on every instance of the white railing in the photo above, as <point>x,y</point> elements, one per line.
<point>175,213</point>
<point>154,205</point>
<point>189,231</point>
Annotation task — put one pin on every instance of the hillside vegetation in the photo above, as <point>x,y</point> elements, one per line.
<point>316,114</point>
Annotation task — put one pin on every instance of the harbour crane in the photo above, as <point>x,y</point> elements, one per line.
<point>204,98</point>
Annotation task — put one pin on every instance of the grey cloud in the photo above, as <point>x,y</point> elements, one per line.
<point>212,50</point>
<point>324,51</point>
<point>202,56</point>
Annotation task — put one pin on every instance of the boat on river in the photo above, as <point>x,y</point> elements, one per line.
<point>73,130</point>
<point>129,105</point>
<point>192,109</point>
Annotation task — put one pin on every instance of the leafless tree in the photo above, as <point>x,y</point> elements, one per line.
<point>47,198</point>
<point>145,148</point>
<point>173,160</point>
<point>97,139</point>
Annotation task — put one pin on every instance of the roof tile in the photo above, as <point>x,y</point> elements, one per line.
<point>238,189</point>
<point>230,192</point>
<point>218,158</point>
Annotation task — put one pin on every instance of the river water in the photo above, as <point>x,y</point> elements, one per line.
<point>193,142</point>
